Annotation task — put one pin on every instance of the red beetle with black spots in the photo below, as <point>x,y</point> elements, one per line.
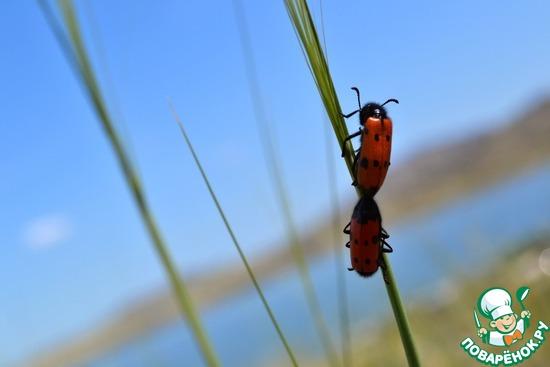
<point>372,159</point>
<point>367,239</point>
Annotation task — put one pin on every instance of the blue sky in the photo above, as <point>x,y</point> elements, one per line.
<point>73,247</point>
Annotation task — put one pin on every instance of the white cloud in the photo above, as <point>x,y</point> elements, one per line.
<point>47,231</point>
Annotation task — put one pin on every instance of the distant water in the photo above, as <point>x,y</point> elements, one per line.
<point>454,239</point>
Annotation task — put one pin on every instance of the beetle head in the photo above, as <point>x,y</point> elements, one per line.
<point>370,109</point>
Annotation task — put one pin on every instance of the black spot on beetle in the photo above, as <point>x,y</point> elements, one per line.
<point>375,163</point>
<point>388,138</point>
<point>367,261</point>
<point>366,242</point>
<point>364,163</point>
<point>355,241</point>
<point>376,137</point>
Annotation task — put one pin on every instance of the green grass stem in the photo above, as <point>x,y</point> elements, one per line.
<point>76,54</point>
<point>272,162</point>
<point>235,241</point>
<point>300,17</point>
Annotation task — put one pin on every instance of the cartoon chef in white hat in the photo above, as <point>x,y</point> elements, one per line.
<point>496,305</point>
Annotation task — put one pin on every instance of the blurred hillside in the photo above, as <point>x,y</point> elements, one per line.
<point>428,180</point>
<point>444,316</point>
<point>448,172</point>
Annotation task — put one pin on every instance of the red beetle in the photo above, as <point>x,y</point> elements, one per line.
<point>367,238</point>
<point>372,159</point>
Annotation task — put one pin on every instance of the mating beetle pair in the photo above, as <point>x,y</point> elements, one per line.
<point>370,166</point>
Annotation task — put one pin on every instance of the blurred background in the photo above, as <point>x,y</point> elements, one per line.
<point>467,195</point>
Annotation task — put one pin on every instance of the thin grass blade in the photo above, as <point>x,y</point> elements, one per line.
<point>235,241</point>
<point>273,163</point>
<point>75,51</point>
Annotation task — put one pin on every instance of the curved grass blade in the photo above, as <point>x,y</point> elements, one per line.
<point>234,239</point>
<point>300,17</point>
<point>272,163</point>
<point>75,51</point>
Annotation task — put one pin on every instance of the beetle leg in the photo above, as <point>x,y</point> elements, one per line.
<point>386,247</point>
<point>348,244</point>
<point>351,269</point>
<point>347,228</point>
<point>350,114</point>
<point>355,134</point>
<point>384,235</point>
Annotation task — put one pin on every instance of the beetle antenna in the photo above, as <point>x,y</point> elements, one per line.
<point>358,96</point>
<point>391,100</point>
